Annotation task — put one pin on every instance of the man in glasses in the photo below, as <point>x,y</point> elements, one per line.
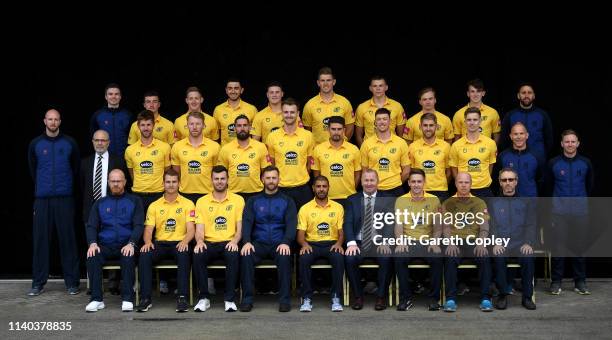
<point>514,218</point>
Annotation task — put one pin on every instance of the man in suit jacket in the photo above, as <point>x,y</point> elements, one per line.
<point>100,142</point>
<point>359,238</point>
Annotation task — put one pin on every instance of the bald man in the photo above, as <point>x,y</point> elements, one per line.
<point>53,160</point>
<point>114,227</point>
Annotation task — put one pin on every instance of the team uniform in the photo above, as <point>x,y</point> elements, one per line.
<point>364,116</point>
<point>163,130</point>
<point>339,166</point>
<point>489,121</point>
<point>433,160</point>
<point>387,158</point>
<point>148,164</point>
<point>196,165</point>
<point>321,226</point>
<point>316,115</point>
<point>169,219</point>
<point>219,219</point>
<point>474,158</point>
<point>267,121</point>
<point>244,165</point>
<point>225,116</point>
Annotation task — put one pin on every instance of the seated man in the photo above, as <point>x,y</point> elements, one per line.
<point>218,231</point>
<point>269,222</point>
<point>360,231</point>
<point>172,217</point>
<point>514,218</point>
<point>422,225</point>
<point>459,206</point>
<point>113,228</point>
<point>320,236</point>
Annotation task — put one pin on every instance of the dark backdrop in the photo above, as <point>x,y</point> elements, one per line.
<point>66,62</point>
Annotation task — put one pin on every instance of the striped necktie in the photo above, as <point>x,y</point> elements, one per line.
<point>97,187</point>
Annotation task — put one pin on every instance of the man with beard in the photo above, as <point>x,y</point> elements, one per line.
<point>536,120</point>
<point>225,113</point>
<point>218,231</point>
<point>147,160</point>
<point>164,129</point>
<point>338,160</point>
<point>444,128</point>
<point>269,222</point>
<point>320,236</point>
<point>194,100</point>
<point>113,230</point>
<point>430,154</point>
<point>54,163</point>
<point>244,158</point>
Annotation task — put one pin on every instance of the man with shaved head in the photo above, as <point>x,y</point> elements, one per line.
<point>53,159</point>
<point>113,229</point>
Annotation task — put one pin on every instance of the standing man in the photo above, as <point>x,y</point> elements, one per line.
<point>387,154</point>
<point>244,158</point>
<point>430,154</point>
<point>53,159</point>
<point>164,129</point>
<point>269,225</point>
<point>418,204</point>
<point>324,105</point>
<point>147,160</point>
<point>172,217</point>
<point>474,154</point>
<point>113,119</point>
<point>514,218</point>
<point>218,231</point>
<point>478,227</point>
<point>194,100</point>
<point>359,233</point>
<point>319,233</point>
<point>572,180</point>
<point>290,149</point>
<point>536,120</point>
<point>271,117</point>
<point>194,157</point>
<point>226,113</point>
<point>490,124</point>
<point>339,161</point>
<point>427,100</point>
<point>365,120</point>
<point>113,229</point>
<point>519,157</point>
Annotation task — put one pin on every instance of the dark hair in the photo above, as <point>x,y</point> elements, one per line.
<point>508,169</point>
<point>274,83</point>
<point>429,116</point>
<point>217,169</point>
<point>336,120</point>
<point>233,80</point>
<point>291,101</point>
<point>325,70</point>
<point>112,86</point>
<point>151,93</point>
<point>475,83</point>
<point>425,90</point>
<point>320,178</point>
<point>382,111</point>
<point>242,117</point>
<point>377,77</point>
<point>471,110</point>
<point>146,115</point>
<point>269,168</point>
<point>171,172</point>
<point>416,172</point>
<point>526,83</point>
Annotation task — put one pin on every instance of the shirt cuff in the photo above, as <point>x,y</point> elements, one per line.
<point>351,243</point>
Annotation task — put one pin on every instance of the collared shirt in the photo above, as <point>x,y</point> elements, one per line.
<point>474,158</point>
<point>148,163</point>
<point>317,112</point>
<point>196,164</point>
<point>163,130</point>
<point>244,165</point>
<point>365,204</point>
<point>387,158</point>
<point>267,121</point>
<point>458,207</point>
<point>170,218</point>
<point>433,160</point>
<point>444,130</point>
<point>321,223</point>
<point>420,213</point>
<point>364,116</point>
<point>105,158</point>
<point>290,153</point>
<point>211,127</point>
<point>489,121</point>
<point>225,115</point>
<point>339,166</point>
<point>219,217</point>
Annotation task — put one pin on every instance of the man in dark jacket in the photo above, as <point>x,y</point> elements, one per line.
<point>523,161</point>
<point>114,228</point>
<point>113,119</point>
<point>54,164</point>
<point>514,218</point>
<point>269,225</point>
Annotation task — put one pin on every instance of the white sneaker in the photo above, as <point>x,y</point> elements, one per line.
<point>211,286</point>
<point>230,306</point>
<point>203,305</point>
<point>127,306</point>
<point>306,305</point>
<point>336,305</point>
<point>94,306</point>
